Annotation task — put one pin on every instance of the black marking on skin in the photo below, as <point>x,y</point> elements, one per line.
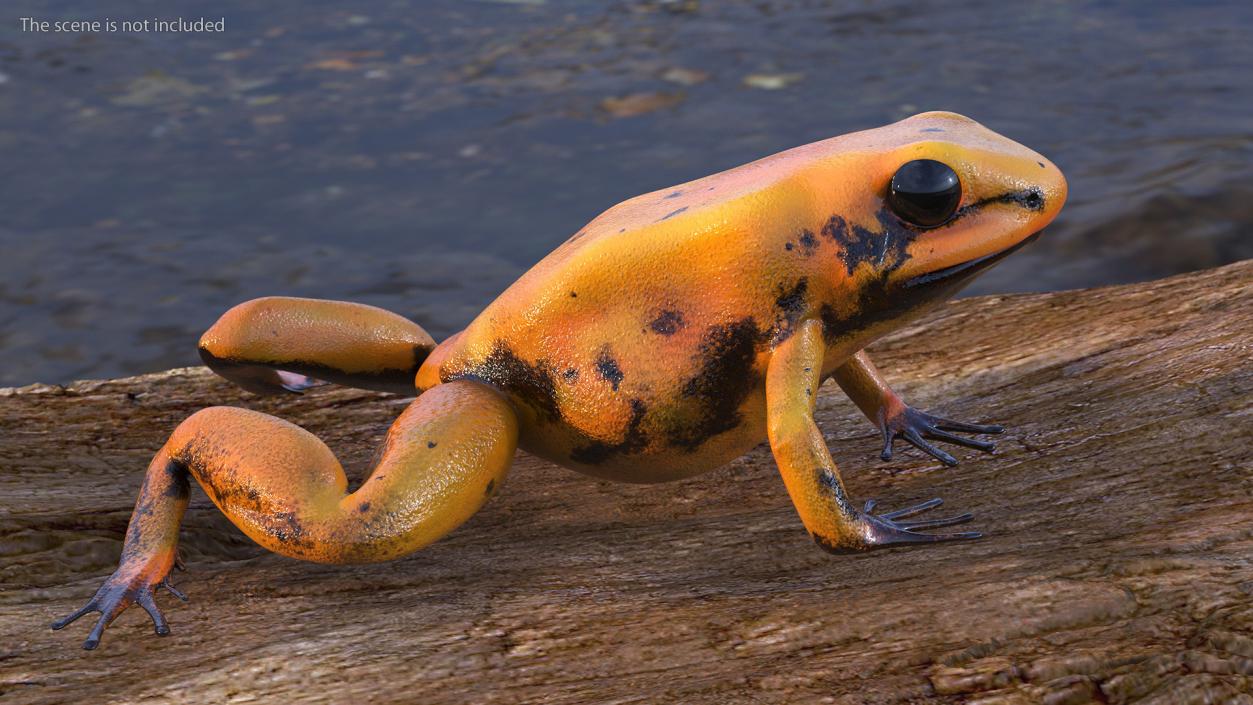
<point>224,486</point>
<point>178,489</point>
<point>387,380</point>
<point>365,507</point>
<point>673,213</point>
<point>1041,165</point>
<point>830,484</point>
<point>633,440</point>
<point>574,295</point>
<point>880,301</point>
<point>791,305</point>
<point>874,305</point>
<point>431,444</point>
<point>887,251</point>
<point>491,485</point>
<point>676,194</point>
<point>608,368</point>
<point>221,484</point>
<point>133,541</point>
<point>828,546</point>
<point>857,244</point>
<point>570,375</point>
<point>531,384</point>
<point>808,242</point>
<point>622,230</point>
<point>787,246</point>
<point>420,353</point>
<point>726,377</point>
<point>1031,199</point>
<point>287,529</point>
<point>668,322</point>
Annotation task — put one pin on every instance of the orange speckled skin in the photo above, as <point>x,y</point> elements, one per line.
<point>676,331</point>
<point>637,351</point>
<point>461,428</point>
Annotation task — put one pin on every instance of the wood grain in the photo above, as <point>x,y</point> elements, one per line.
<point>1118,566</point>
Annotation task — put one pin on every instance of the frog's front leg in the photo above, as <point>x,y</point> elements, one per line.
<point>280,343</point>
<point>862,382</point>
<point>445,455</point>
<point>812,480</point>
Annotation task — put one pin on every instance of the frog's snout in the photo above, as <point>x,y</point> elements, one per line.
<point>1049,192</point>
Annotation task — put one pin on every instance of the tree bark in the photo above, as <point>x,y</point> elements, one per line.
<point>1117,566</point>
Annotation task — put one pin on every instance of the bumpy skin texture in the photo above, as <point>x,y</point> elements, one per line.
<point>672,334</point>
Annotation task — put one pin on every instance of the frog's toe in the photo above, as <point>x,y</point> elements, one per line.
<point>884,530</point>
<point>951,425</point>
<point>169,587</point>
<point>146,601</point>
<point>69,619</point>
<point>108,610</point>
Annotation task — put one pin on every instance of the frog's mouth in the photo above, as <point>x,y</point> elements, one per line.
<point>957,275</point>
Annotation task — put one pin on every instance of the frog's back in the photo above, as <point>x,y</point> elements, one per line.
<point>636,350</point>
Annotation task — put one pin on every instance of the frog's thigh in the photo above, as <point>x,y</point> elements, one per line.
<point>281,343</point>
<point>445,455</point>
<point>812,479</point>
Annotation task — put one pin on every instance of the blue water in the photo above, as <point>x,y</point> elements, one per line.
<point>419,155</point>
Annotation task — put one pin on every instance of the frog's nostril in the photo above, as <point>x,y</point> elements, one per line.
<point>1034,200</point>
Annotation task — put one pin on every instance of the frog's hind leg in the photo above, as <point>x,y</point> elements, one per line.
<point>278,343</point>
<point>445,455</point>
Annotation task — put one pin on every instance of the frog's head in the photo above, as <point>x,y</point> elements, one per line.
<point>945,199</point>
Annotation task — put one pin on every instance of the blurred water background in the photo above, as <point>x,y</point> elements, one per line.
<point>421,154</point>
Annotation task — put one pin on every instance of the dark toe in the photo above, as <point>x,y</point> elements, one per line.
<point>67,620</point>
<point>921,443</point>
<point>963,427</point>
<point>936,523</point>
<point>911,511</point>
<point>947,437</point>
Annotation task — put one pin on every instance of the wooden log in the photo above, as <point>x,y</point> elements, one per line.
<point>1117,568</point>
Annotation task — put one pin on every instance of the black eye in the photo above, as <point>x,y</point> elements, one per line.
<point>925,192</point>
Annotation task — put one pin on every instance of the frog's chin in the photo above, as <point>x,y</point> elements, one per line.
<point>948,280</point>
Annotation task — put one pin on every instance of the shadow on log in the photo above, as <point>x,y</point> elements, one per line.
<point>1118,566</point>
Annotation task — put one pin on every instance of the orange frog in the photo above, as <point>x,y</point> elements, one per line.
<point>675,332</point>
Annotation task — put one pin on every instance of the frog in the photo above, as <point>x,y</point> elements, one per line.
<point>672,334</point>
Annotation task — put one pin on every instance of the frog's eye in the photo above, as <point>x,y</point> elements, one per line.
<point>925,192</point>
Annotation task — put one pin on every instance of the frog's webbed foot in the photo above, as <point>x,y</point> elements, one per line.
<point>124,588</point>
<point>887,530</point>
<point>917,426</point>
